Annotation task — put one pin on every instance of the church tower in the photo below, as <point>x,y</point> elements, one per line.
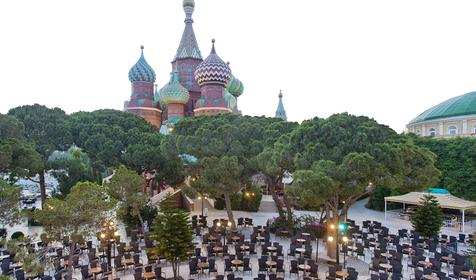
<point>212,76</point>
<point>280,112</point>
<point>142,78</point>
<point>187,58</point>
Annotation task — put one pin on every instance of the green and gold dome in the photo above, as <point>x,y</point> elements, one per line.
<point>235,86</point>
<point>174,92</point>
<point>453,117</point>
<point>188,3</point>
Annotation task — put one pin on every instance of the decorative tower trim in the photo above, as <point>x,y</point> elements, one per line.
<point>188,47</point>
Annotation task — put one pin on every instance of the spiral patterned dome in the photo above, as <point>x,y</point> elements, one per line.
<point>229,99</point>
<point>213,70</point>
<point>188,3</point>
<point>235,87</point>
<point>141,71</point>
<point>174,92</point>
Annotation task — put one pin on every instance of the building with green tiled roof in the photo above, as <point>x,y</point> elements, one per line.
<point>451,118</point>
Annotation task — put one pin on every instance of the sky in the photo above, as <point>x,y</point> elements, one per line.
<point>389,60</point>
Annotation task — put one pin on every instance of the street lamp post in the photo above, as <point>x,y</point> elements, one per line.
<point>202,198</point>
<point>108,234</point>
<point>345,240</point>
<point>223,228</point>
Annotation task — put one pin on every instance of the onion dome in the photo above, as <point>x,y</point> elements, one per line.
<point>213,70</point>
<point>229,99</point>
<point>235,86</point>
<point>188,3</point>
<point>457,106</point>
<point>174,92</point>
<point>141,71</point>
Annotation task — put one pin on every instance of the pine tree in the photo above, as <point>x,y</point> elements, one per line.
<point>172,232</point>
<point>428,218</point>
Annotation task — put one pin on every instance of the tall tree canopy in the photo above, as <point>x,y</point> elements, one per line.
<point>10,212</point>
<point>48,130</point>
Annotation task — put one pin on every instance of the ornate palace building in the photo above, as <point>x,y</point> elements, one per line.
<point>196,86</point>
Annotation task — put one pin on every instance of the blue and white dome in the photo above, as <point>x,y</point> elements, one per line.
<point>141,71</point>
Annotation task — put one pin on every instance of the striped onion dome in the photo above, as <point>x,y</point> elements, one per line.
<point>141,71</point>
<point>235,87</point>
<point>174,92</point>
<point>213,70</point>
<point>229,99</point>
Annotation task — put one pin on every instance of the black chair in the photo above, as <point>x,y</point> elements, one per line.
<point>105,269</point>
<point>383,276</point>
<point>20,274</point>
<point>192,265</point>
<point>85,273</point>
<point>331,273</point>
<point>219,277</point>
<point>247,265</point>
<point>353,275</point>
<point>118,265</point>
<point>159,275</point>
<point>280,267</point>
<point>228,266</point>
<point>212,268</point>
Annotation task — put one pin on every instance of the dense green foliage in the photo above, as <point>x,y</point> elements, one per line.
<point>457,162</point>
<point>247,201</point>
<point>421,220</point>
<point>10,213</point>
<point>77,217</point>
<point>126,188</point>
<point>173,237</point>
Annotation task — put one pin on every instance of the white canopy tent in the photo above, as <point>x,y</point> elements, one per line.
<point>446,201</point>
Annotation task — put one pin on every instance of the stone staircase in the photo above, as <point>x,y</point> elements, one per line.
<point>267,204</point>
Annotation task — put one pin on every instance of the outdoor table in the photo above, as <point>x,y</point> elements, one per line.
<point>128,248</point>
<point>202,265</point>
<point>356,234</point>
<point>212,238</point>
<point>304,267</point>
<point>342,274</point>
<point>217,249</point>
<point>469,274</point>
<point>236,263</point>
<point>374,243</point>
<point>284,233</point>
<point>431,277</point>
<point>244,247</point>
<point>95,271</point>
<point>300,250</point>
<point>424,263</point>
<point>385,266</point>
<point>408,250</point>
<point>448,259</point>
<point>388,238</point>
<point>352,249</point>
<point>300,240</point>
<point>272,248</point>
<point>128,262</point>
<point>270,264</point>
<point>148,275</point>
<point>306,234</point>
<point>235,238</point>
<point>386,255</point>
<point>260,238</point>
<point>261,230</point>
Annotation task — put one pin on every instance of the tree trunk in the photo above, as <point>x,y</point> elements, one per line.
<point>69,273</point>
<point>174,268</point>
<point>42,187</point>
<point>288,207</point>
<point>275,197</point>
<point>229,212</point>
<point>141,220</point>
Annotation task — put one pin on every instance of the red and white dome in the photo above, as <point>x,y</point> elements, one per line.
<point>213,70</point>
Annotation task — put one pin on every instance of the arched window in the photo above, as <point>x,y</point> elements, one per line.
<point>474,129</point>
<point>418,132</point>
<point>452,130</point>
<point>432,131</point>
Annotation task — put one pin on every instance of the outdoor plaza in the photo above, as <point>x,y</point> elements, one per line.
<point>371,249</point>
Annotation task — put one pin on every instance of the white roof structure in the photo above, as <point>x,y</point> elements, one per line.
<point>447,201</point>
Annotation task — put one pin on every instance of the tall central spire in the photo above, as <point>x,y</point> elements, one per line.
<point>188,47</point>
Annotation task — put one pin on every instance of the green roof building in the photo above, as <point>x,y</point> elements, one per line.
<point>451,118</point>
